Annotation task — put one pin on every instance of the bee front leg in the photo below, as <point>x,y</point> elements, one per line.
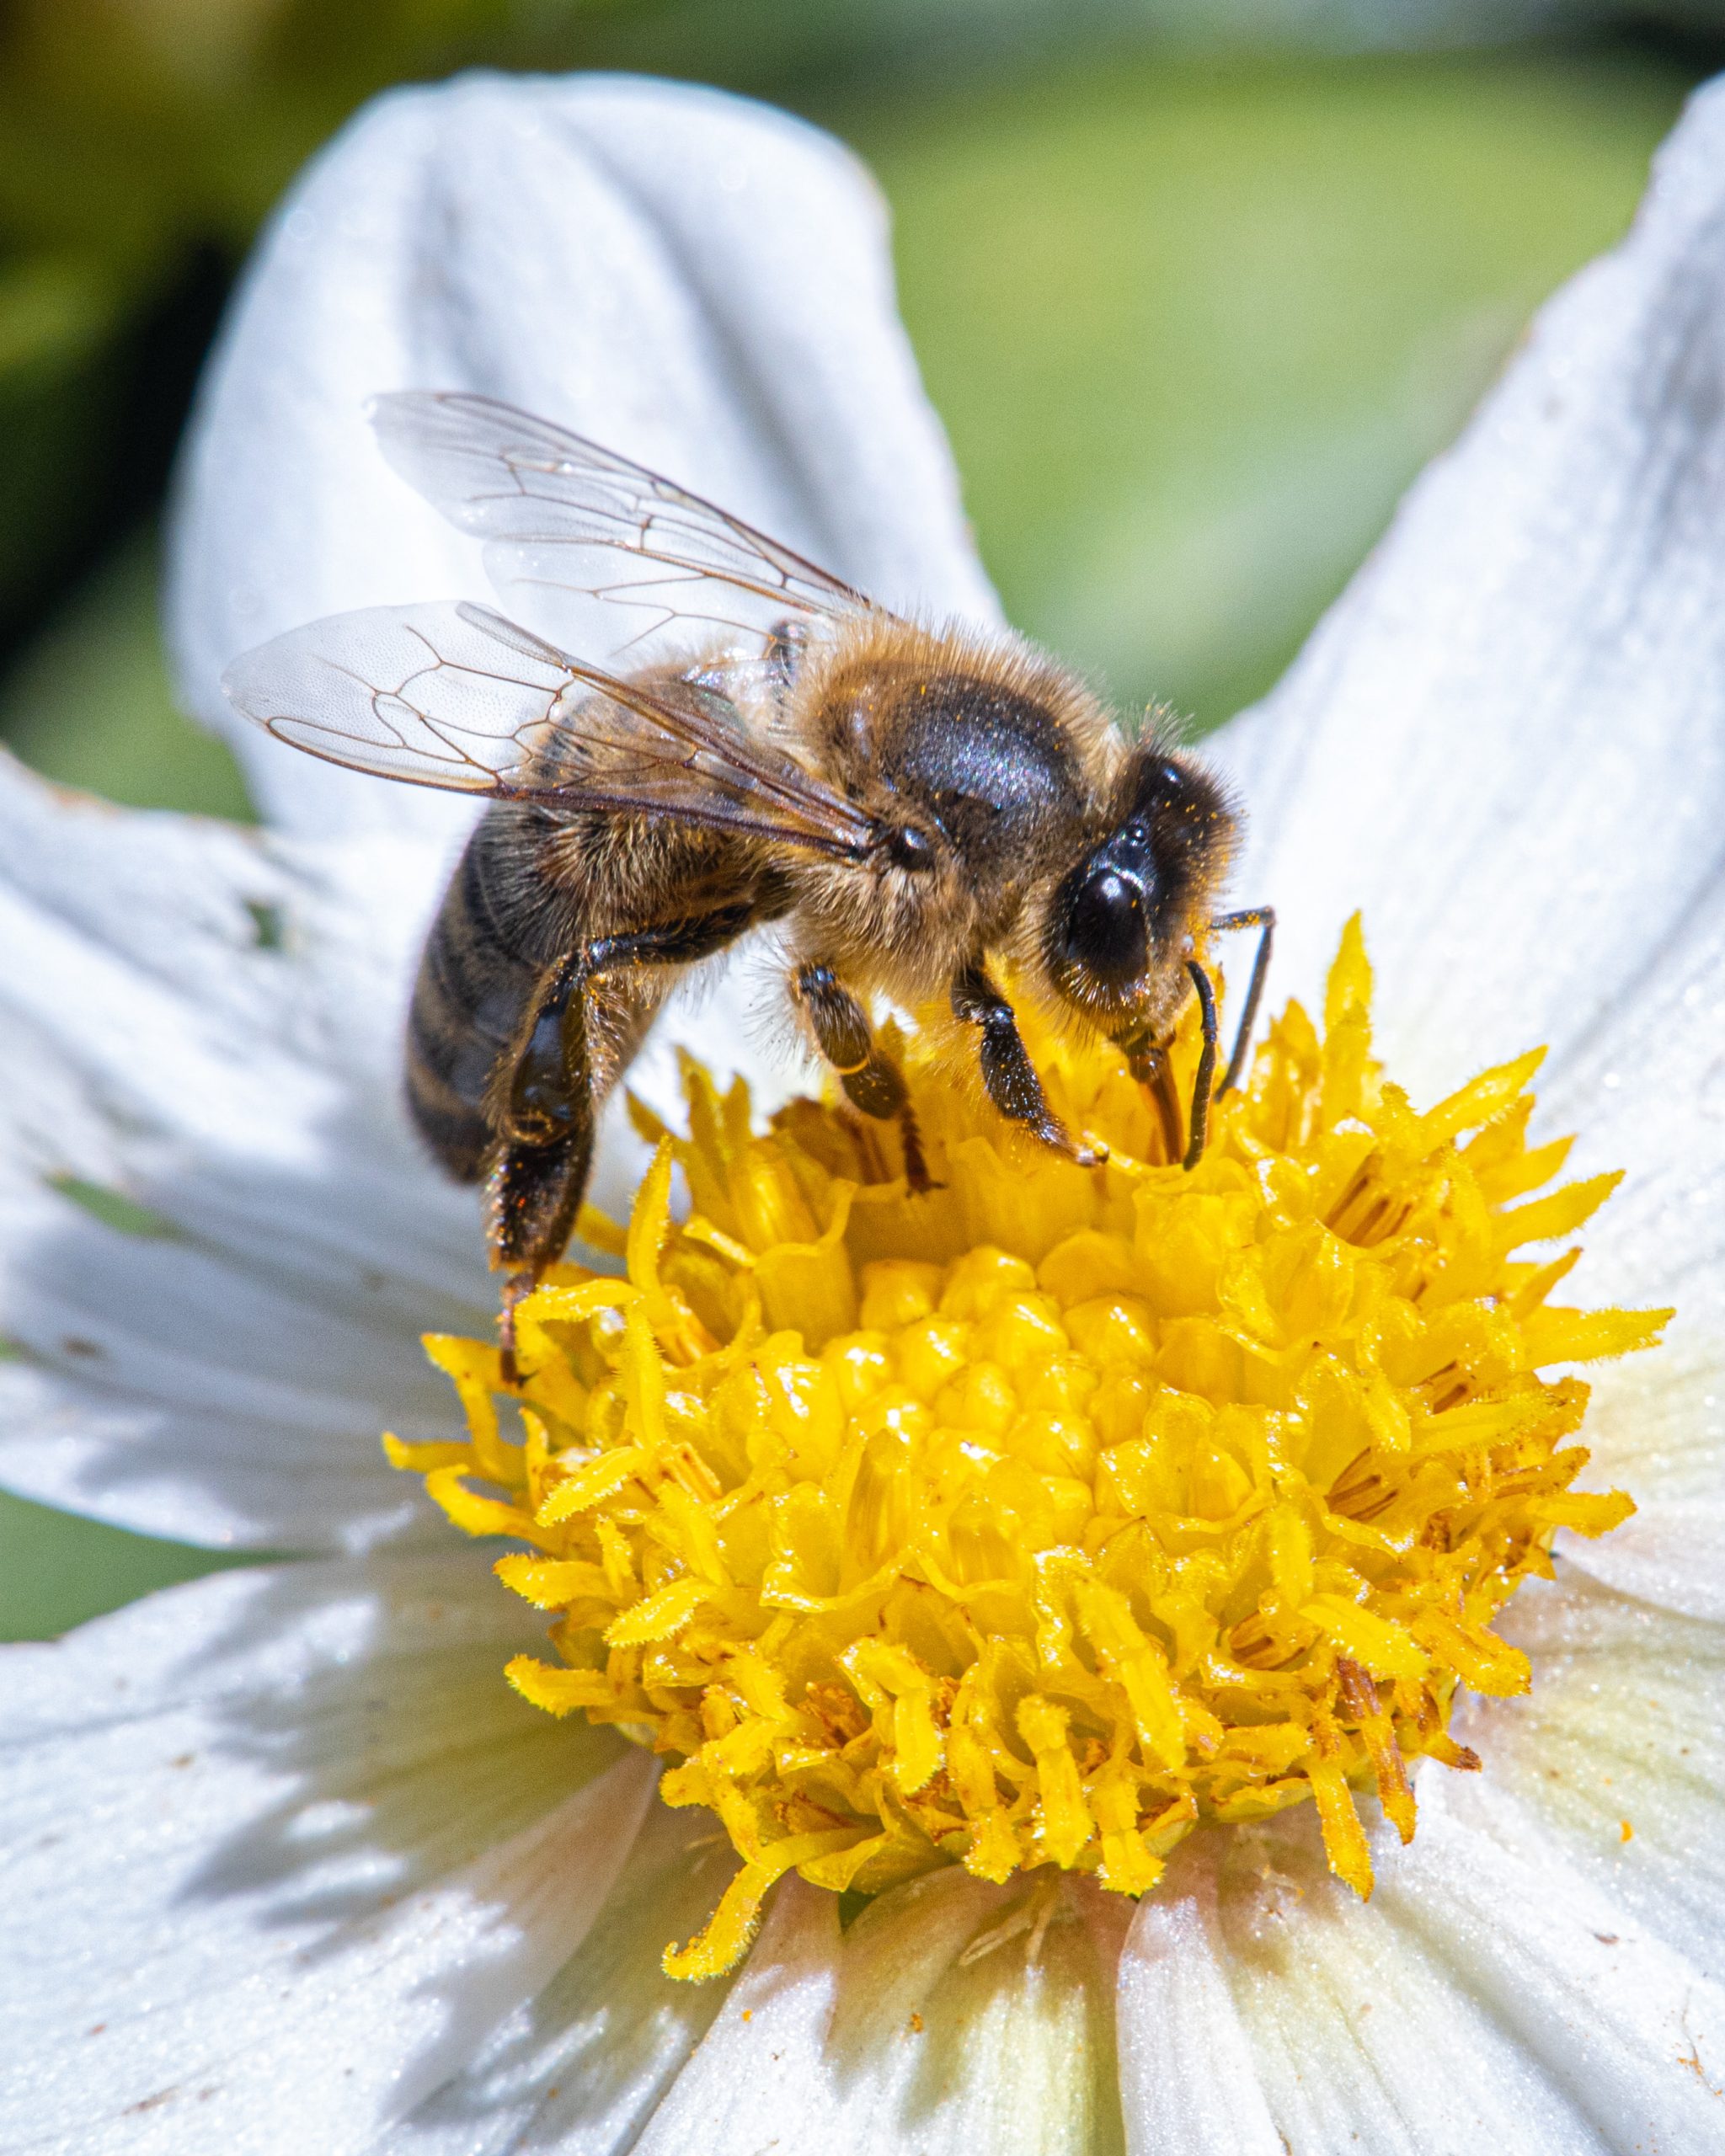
<point>873,1082</point>
<point>1203,1085</point>
<point>1007,1072</point>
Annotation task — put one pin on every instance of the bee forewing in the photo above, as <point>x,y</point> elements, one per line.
<point>583,528</point>
<point>455,697</point>
<point>444,696</point>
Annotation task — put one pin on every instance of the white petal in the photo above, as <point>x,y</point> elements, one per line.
<point>1624,1727</point>
<point>946,2019</point>
<point>1474,2002</point>
<point>757,2071</point>
<point>1505,742</point>
<point>1506,745</point>
<point>224,1381</point>
<point>284,1850</point>
<point>1672,1553</point>
<point>227,1381</point>
<point>1188,2082</point>
<point>581,2067</point>
<point>1330,2026</point>
<point>1645,1090</point>
<point>1656,1427</point>
<point>1616,2022</point>
<point>696,280</point>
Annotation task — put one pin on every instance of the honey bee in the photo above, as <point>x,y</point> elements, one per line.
<point>910,804</point>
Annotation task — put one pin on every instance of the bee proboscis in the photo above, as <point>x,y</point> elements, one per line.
<point>911,804</point>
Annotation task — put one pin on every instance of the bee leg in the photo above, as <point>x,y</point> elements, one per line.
<point>540,1174</point>
<point>1260,917</point>
<point>785,641</point>
<point>873,1082</point>
<point>1008,1071</point>
<point>535,1192</point>
<point>917,1175</point>
<point>517,1285</point>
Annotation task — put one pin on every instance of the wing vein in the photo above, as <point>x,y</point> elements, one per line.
<point>420,694</point>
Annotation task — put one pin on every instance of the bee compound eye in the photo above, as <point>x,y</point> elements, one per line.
<point>1106,931</point>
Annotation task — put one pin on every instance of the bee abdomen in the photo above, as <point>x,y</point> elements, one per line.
<point>494,936</point>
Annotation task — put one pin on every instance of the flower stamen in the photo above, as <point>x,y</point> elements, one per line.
<point>1036,1520</point>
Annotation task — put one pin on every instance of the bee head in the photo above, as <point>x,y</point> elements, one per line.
<point>1124,919</point>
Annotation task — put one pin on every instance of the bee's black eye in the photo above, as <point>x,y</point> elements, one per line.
<point>1106,932</point>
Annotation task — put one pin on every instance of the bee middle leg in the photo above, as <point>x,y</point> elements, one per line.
<point>873,1082</point>
<point>1007,1072</point>
<point>549,1113</point>
<point>786,643</point>
<point>1264,919</point>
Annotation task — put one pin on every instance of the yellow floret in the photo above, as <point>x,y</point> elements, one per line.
<point>1039,1519</point>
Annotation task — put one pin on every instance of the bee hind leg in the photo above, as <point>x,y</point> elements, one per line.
<point>548,1112</point>
<point>1007,1072</point>
<point>535,1192</point>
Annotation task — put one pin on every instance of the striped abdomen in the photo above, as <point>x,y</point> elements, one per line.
<point>502,922</point>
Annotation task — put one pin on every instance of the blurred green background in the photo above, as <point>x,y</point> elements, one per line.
<point>1197,288</point>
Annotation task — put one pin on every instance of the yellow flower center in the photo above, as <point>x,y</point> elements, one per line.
<point>1039,1519</point>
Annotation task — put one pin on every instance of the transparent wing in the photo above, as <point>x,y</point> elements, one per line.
<point>455,697</point>
<point>568,518</point>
